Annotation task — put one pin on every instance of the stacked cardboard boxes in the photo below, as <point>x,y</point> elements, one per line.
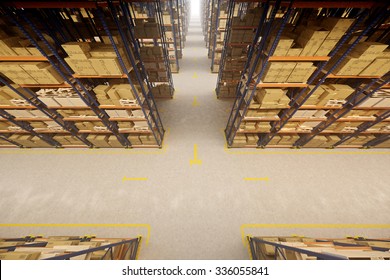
<point>272,98</point>
<point>337,247</point>
<point>15,45</point>
<point>322,141</point>
<point>154,63</point>
<point>146,29</point>
<point>9,97</point>
<point>287,72</point>
<point>359,140</point>
<point>29,141</point>
<point>94,59</point>
<point>365,59</point>
<point>62,97</point>
<point>68,140</point>
<point>328,95</point>
<point>30,73</point>
<point>60,245</point>
<point>162,90</point>
<point>117,94</point>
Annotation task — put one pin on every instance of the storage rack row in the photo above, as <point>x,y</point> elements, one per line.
<point>255,30</point>
<point>175,14</point>
<point>87,247</point>
<point>103,94</point>
<point>307,248</point>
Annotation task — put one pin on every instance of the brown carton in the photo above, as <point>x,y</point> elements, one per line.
<point>337,26</point>
<point>19,256</point>
<point>311,39</point>
<point>326,47</point>
<point>77,50</point>
<point>379,67</point>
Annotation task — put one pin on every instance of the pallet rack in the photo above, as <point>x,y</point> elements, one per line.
<point>172,16</point>
<point>69,248</point>
<point>48,26</point>
<point>241,22</point>
<point>306,248</point>
<point>370,19</point>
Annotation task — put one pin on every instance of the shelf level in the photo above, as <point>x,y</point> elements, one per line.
<point>23,58</point>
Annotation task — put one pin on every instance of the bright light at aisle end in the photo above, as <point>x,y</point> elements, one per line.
<point>195,8</point>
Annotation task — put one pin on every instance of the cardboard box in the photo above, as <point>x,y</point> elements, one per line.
<point>285,71</point>
<point>337,27</point>
<point>284,45</point>
<point>349,66</point>
<point>272,71</point>
<point>379,67</point>
<point>326,47</point>
<point>106,66</point>
<point>6,45</point>
<point>368,50</point>
<point>21,51</point>
<point>42,72</point>
<point>19,256</point>
<point>301,72</point>
<point>77,50</point>
<point>311,39</point>
<point>81,67</point>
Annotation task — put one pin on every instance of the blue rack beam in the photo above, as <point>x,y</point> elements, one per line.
<point>133,254</point>
<point>379,140</point>
<point>5,138</point>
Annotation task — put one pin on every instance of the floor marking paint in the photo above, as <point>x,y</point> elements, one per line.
<point>147,226</point>
<point>195,102</point>
<point>195,76</point>
<point>195,160</point>
<point>256,179</point>
<point>315,226</point>
<point>134,179</point>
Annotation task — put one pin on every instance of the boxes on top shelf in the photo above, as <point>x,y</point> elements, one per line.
<point>94,59</point>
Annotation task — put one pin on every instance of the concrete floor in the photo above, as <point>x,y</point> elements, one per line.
<point>198,211</point>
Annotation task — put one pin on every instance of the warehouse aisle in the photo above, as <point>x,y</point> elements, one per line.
<point>195,208</point>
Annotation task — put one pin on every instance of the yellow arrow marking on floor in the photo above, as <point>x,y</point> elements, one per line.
<point>134,179</point>
<point>195,102</point>
<point>256,179</point>
<point>147,226</point>
<point>195,76</point>
<point>195,160</point>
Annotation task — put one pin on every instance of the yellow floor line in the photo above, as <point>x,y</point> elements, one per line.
<point>195,102</point>
<point>195,160</point>
<point>315,226</point>
<point>134,179</point>
<point>147,226</point>
<point>256,179</point>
